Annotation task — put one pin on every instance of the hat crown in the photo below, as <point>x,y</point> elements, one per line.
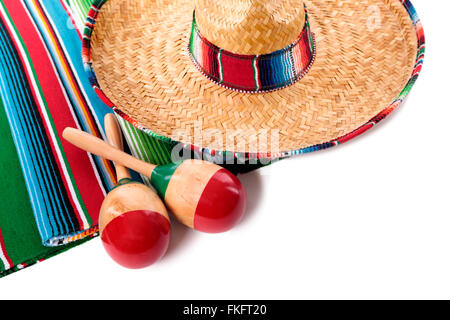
<point>250,27</point>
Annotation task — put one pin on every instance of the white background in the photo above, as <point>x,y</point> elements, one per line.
<point>366,220</point>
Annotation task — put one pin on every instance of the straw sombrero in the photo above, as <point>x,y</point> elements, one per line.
<point>316,72</point>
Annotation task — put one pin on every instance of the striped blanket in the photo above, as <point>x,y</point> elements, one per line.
<point>51,192</point>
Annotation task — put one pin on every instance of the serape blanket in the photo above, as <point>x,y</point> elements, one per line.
<point>51,192</point>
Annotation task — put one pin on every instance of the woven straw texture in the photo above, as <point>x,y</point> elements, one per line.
<point>250,27</point>
<point>365,54</point>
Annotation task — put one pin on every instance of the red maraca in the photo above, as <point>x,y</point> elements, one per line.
<point>201,195</point>
<point>133,222</point>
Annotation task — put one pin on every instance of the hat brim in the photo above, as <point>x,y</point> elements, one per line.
<point>367,59</point>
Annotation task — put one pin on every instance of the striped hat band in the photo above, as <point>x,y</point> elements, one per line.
<point>253,73</point>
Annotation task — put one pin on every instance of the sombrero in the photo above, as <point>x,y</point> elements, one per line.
<point>298,75</point>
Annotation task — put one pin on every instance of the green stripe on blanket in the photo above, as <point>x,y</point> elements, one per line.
<point>20,235</point>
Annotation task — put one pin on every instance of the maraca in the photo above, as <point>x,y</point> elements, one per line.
<point>133,222</point>
<point>201,195</point>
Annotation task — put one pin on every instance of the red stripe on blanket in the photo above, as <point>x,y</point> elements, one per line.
<point>5,253</point>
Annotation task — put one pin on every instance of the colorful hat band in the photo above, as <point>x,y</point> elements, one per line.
<point>253,73</point>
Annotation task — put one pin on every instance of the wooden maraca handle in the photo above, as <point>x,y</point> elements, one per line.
<point>94,145</point>
<point>114,135</point>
